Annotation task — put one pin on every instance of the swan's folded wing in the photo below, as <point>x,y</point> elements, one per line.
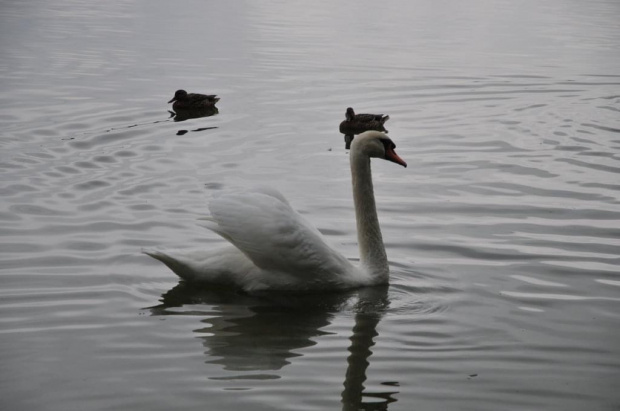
<point>275,237</point>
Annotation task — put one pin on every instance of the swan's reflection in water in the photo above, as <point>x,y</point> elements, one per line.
<point>369,309</point>
<point>263,332</point>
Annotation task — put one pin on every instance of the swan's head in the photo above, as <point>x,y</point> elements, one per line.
<point>179,95</point>
<point>376,144</point>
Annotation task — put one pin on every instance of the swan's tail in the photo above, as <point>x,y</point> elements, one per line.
<point>223,266</point>
<point>179,265</point>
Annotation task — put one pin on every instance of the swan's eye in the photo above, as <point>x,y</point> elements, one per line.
<point>388,144</point>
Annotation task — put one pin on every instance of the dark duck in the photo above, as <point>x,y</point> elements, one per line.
<point>184,101</point>
<point>359,123</point>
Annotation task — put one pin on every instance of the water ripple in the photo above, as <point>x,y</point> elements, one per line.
<point>502,233</point>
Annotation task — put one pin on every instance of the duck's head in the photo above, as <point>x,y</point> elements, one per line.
<point>376,144</point>
<point>179,95</point>
<point>350,114</point>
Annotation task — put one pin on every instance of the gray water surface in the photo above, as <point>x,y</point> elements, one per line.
<point>503,234</point>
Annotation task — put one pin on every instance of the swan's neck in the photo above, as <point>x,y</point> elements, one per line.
<point>372,250</point>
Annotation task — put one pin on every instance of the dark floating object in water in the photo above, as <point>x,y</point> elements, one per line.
<point>193,105</point>
<point>191,101</point>
<point>183,132</point>
<point>359,123</point>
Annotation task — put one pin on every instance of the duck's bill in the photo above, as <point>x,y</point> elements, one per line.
<point>391,155</point>
<point>173,99</point>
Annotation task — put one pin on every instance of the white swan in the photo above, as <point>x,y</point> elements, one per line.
<point>274,248</point>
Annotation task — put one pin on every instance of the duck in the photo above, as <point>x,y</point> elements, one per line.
<point>359,123</point>
<point>271,247</point>
<point>183,100</point>
<point>364,118</point>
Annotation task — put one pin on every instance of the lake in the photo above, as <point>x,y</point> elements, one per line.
<point>503,233</point>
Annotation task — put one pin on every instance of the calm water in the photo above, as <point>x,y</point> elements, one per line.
<point>503,233</point>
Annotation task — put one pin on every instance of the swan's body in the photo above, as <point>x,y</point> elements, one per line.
<point>272,247</point>
<point>183,100</point>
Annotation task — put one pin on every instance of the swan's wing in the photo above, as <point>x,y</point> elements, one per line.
<point>263,226</point>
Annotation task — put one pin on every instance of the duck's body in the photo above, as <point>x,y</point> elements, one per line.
<point>272,247</point>
<point>358,123</point>
<point>364,118</point>
<point>358,127</point>
<point>183,100</point>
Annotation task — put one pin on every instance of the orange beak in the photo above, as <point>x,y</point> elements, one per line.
<point>391,155</point>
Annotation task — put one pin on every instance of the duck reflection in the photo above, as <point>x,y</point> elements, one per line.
<point>263,332</point>
<point>190,113</point>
